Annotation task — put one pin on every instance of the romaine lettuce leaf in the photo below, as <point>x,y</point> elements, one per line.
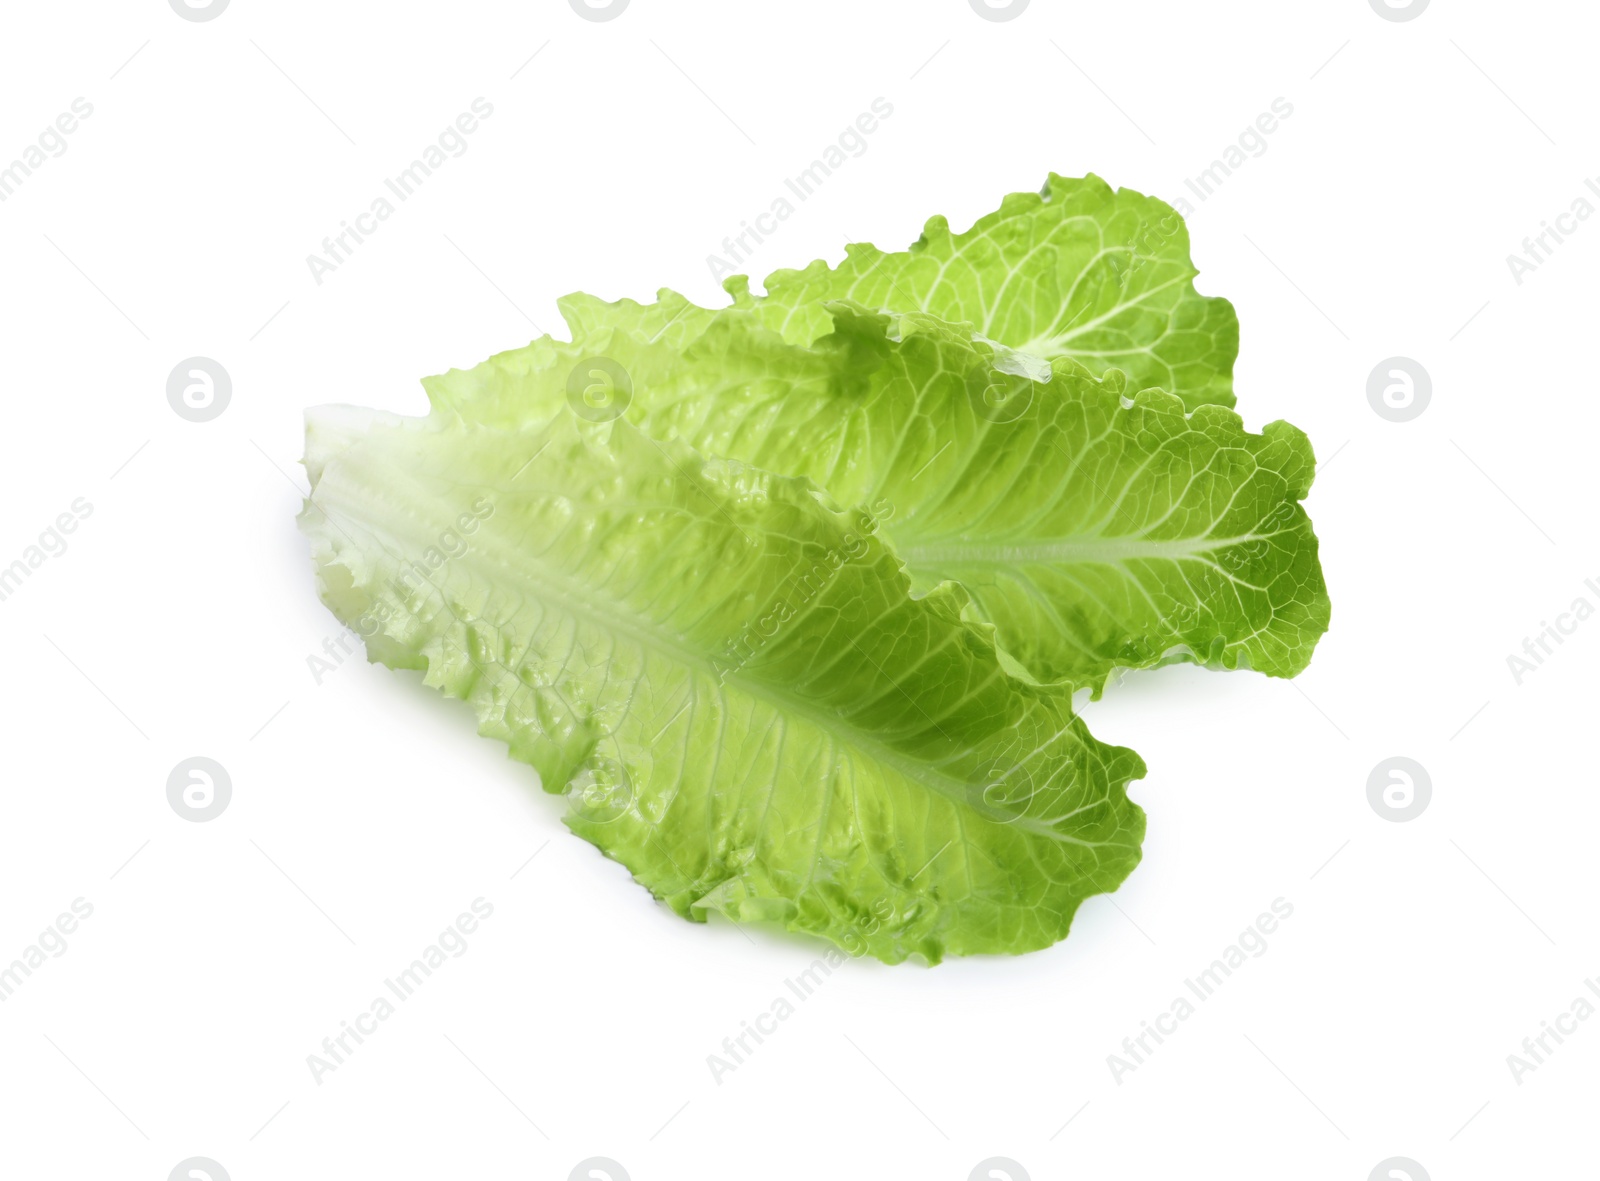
<point>731,680</point>
<point>1095,527</point>
<point>1076,271</point>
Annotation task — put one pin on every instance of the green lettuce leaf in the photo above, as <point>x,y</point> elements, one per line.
<point>730,679</point>
<point>1096,528</point>
<point>1077,271</point>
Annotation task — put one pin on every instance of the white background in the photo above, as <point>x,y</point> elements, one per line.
<point>366,814</point>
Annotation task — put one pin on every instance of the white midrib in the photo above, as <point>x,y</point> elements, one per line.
<point>1101,551</point>
<point>1053,345</point>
